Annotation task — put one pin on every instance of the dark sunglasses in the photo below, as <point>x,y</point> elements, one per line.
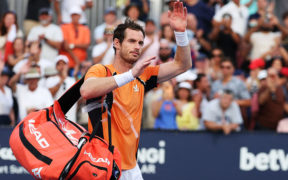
<point>164,48</point>
<point>216,55</point>
<point>225,67</point>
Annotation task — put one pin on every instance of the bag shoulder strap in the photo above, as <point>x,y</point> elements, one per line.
<point>97,113</point>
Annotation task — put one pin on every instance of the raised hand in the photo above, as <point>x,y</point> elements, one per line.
<point>178,17</point>
<point>139,67</point>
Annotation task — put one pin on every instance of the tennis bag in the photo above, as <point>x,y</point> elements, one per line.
<point>49,146</point>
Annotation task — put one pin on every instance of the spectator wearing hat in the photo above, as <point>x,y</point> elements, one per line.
<point>252,81</point>
<point>50,35</point>
<point>188,119</point>
<point>165,109</point>
<point>76,40</point>
<point>31,97</point>
<point>63,10</point>
<point>103,52</point>
<point>32,14</point>
<point>151,40</point>
<point>271,102</point>
<point>58,84</point>
<point>133,12</point>
<point>223,114</point>
<point>6,99</point>
<point>110,21</point>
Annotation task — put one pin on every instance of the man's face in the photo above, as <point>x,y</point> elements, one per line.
<point>226,100</point>
<point>75,18</point>
<point>204,83</point>
<point>150,28</point>
<point>60,66</point>
<point>227,69</point>
<point>164,51</point>
<point>110,18</point>
<point>45,19</point>
<point>131,47</point>
<point>217,55</point>
<point>262,4</point>
<point>34,49</point>
<point>32,83</point>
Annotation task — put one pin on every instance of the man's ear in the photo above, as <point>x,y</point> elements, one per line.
<point>116,43</point>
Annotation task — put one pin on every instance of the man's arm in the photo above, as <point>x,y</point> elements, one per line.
<point>182,62</point>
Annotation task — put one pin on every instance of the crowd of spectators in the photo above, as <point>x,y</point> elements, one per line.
<point>239,78</point>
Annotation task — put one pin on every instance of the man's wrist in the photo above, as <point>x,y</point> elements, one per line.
<point>181,38</point>
<point>124,78</point>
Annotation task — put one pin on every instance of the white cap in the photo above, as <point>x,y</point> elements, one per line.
<point>185,85</point>
<point>32,74</point>
<point>262,74</point>
<point>61,58</point>
<point>76,10</point>
<point>186,76</point>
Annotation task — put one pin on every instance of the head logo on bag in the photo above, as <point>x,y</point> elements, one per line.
<point>41,141</point>
<point>37,172</point>
<point>102,160</point>
<point>68,132</point>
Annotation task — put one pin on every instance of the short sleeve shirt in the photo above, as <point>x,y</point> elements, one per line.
<point>126,112</point>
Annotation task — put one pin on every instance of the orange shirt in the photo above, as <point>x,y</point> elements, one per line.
<point>71,36</point>
<point>126,112</point>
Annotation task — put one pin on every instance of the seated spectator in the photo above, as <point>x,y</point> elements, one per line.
<point>151,40</point>
<point>133,11</point>
<point>18,53</point>
<point>6,100</point>
<point>271,102</point>
<point>63,9</point>
<point>239,15</point>
<point>188,119</point>
<point>110,21</point>
<point>60,83</point>
<point>168,34</point>
<point>203,13</point>
<point>144,4</point>
<point>48,34</point>
<point>103,52</point>
<point>214,72</point>
<point>223,114</point>
<point>200,96</point>
<point>226,39</point>
<point>9,30</point>
<point>76,41</point>
<point>228,81</point>
<point>33,58</point>
<point>277,63</point>
<point>30,96</point>
<point>31,18</point>
<point>164,109</point>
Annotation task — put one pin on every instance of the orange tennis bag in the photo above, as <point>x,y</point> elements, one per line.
<point>49,146</point>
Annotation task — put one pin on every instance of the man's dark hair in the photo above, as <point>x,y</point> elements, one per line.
<point>119,32</point>
<point>227,59</point>
<point>198,79</point>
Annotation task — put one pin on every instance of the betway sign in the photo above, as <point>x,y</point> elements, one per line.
<point>275,160</point>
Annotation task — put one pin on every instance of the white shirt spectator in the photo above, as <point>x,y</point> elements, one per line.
<point>6,101</point>
<point>68,82</point>
<point>38,99</point>
<point>100,48</point>
<point>51,32</point>
<point>99,31</point>
<point>262,43</point>
<point>239,15</point>
<point>213,112</point>
<point>66,6</point>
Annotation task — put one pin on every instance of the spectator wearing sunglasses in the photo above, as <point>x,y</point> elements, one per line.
<point>214,72</point>
<point>228,81</point>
